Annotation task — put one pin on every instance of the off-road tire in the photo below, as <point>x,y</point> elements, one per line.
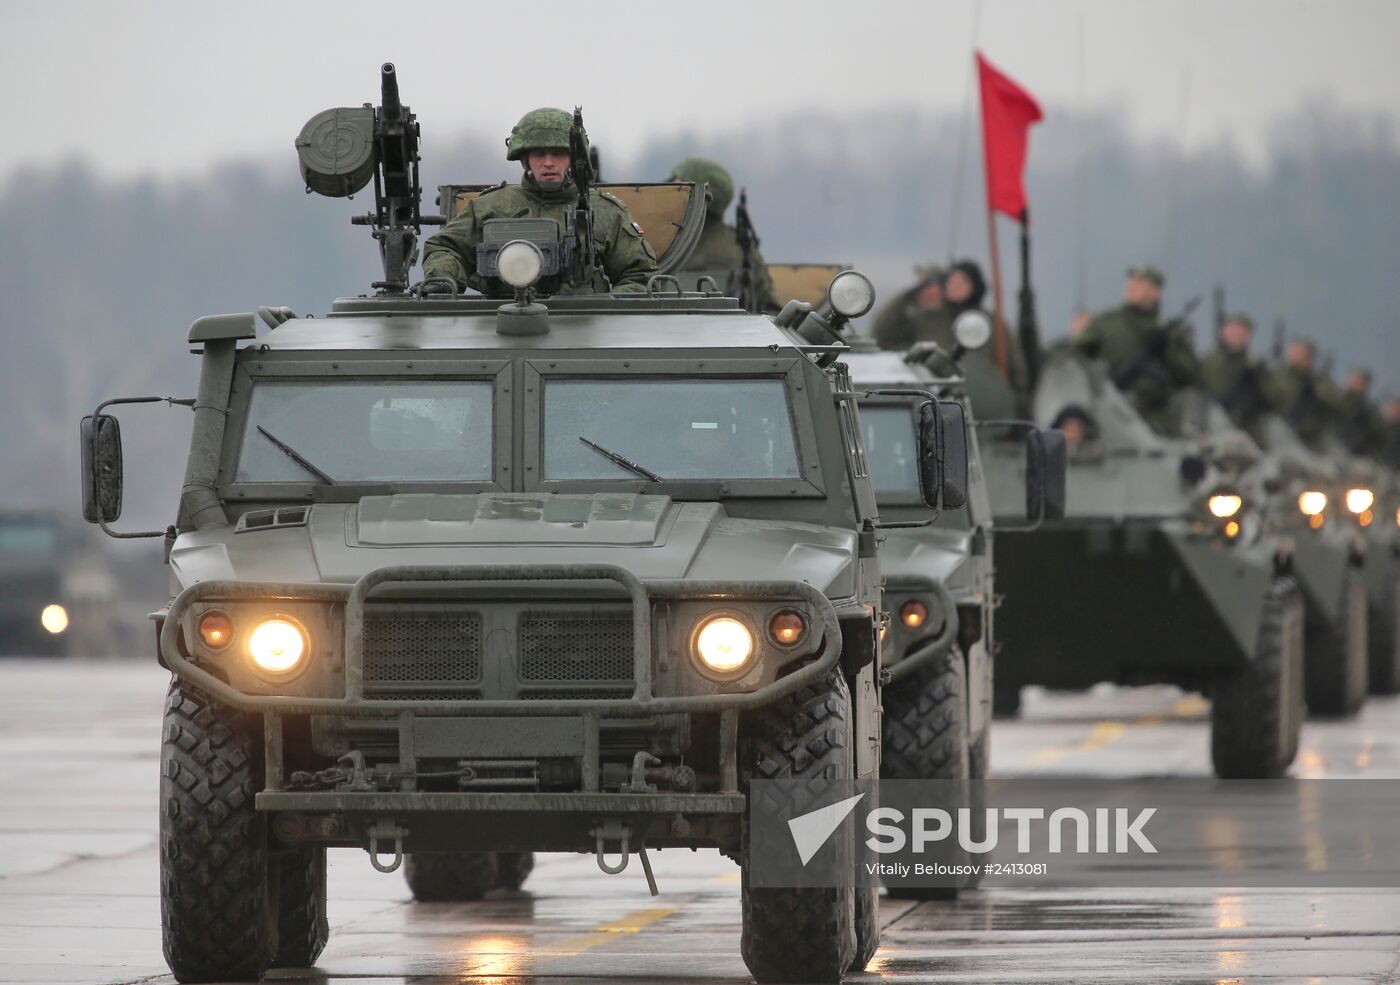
<point>1384,636</point>
<point>1256,713</point>
<point>867,924</point>
<point>513,868</point>
<point>926,738</point>
<point>1336,654</point>
<point>798,935</point>
<point>302,927</point>
<point>449,877</point>
<point>217,898</point>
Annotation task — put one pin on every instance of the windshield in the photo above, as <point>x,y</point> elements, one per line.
<point>671,429</point>
<point>891,447</point>
<point>368,431</point>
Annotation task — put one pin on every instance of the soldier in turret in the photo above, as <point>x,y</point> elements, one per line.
<point>540,142</point>
<point>1358,423</point>
<point>718,251</point>
<point>1146,359</point>
<point>1301,395</point>
<point>1235,377</point>
<point>916,315</point>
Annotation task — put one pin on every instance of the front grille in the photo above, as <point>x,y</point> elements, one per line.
<point>405,651</point>
<point>576,648</point>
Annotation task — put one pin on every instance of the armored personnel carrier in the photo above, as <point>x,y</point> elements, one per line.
<point>1321,544</point>
<point>460,578</point>
<point>1163,572</point>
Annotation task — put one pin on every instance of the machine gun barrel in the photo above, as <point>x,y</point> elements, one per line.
<point>389,92</point>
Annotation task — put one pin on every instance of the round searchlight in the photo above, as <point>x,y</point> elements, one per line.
<point>851,294</point>
<point>519,263</point>
<point>972,329</point>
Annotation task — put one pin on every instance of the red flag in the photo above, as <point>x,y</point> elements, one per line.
<point>1007,114</point>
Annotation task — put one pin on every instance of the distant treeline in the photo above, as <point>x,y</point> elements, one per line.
<point>100,279</point>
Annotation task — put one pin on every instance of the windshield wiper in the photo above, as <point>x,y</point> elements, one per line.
<point>295,456</point>
<point>626,463</point>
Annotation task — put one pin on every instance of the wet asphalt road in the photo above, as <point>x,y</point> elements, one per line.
<point>78,781</point>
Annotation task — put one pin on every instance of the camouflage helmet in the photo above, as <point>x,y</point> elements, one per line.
<point>539,129</point>
<point>704,171</point>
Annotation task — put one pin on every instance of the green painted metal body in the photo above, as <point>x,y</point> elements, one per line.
<point>642,562</point>
<point>1139,583</point>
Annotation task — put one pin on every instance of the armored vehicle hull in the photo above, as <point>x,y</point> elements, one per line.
<point>1161,572</point>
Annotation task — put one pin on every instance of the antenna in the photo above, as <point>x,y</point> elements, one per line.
<point>1174,176</point>
<point>1081,260</point>
<point>960,161</point>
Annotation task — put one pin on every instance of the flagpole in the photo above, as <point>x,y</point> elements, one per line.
<point>998,319</point>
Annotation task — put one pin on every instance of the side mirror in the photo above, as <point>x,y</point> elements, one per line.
<point>1047,461</point>
<point>942,454</point>
<point>101,472</point>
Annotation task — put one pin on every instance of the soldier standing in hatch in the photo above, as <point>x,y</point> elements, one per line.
<point>540,142</point>
<point>1233,376</point>
<point>718,252</point>
<point>1358,424</point>
<point>916,315</point>
<point>1390,446</point>
<point>1147,360</point>
<point>1300,394</point>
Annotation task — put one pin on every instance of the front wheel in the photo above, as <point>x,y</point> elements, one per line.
<point>450,877</point>
<point>1336,652</point>
<point>1257,713</point>
<point>1384,635</point>
<point>809,934</point>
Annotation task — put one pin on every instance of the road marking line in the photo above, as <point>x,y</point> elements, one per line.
<point>631,923</point>
<point>1102,734</point>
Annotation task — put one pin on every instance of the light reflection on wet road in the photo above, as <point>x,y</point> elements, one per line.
<point>78,760</point>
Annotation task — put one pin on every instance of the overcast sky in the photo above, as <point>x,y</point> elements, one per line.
<point>143,85</point>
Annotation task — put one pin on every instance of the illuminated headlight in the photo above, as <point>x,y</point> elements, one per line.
<point>519,263</point>
<point>724,645</point>
<point>1312,502</point>
<point>1359,500</point>
<point>1224,505</point>
<point>851,294</point>
<point>277,646</point>
<point>1397,516</point>
<point>54,618</point>
<point>913,614</point>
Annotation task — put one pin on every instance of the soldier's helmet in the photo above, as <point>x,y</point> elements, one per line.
<point>703,170</point>
<point>539,129</point>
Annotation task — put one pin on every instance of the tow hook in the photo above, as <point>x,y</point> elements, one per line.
<point>613,830</point>
<point>386,830</point>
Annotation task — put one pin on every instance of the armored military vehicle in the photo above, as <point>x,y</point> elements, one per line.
<point>1163,572</point>
<point>938,570</point>
<point>1380,523</point>
<point>56,590</point>
<point>1321,545</point>
<point>498,574</point>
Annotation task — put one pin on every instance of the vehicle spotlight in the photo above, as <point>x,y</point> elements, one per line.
<point>972,329</point>
<point>1359,500</point>
<point>215,629</point>
<point>519,263</point>
<point>913,614</point>
<point>1312,502</point>
<point>724,645</point>
<point>851,294</point>
<point>54,618</point>
<point>277,645</point>
<point>1224,505</point>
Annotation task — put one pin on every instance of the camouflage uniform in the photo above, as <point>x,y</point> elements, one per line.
<point>1238,380</point>
<point>902,321</point>
<point>628,260</point>
<point>1150,361</point>
<point>1304,399</point>
<point>1359,425</point>
<point>717,252</point>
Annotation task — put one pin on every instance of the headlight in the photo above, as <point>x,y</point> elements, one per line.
<point>54,618</point>
<point>787,628</point>
<point>215,629</point>
<point>1359,500</point>
<point>519,263</point>
<point>851,294</point>
<point>1397,516</point>
<point>277,645</point>
<point>913,614</point>
<point>724,645</point>
<point>1224,505</point>
<point>1312,502</point>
